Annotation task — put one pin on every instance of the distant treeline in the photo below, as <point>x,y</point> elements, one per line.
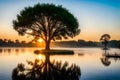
<point>83,43</point>
<point>16,43</point>
<point>79,43</point>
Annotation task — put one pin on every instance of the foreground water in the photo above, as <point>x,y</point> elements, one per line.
<point>89,60</point>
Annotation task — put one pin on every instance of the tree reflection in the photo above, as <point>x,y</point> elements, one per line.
<point>1,50</point>
<point>105,61</point>
<point>46,70</point>
<point>8,51</point>
<point>107,57</point>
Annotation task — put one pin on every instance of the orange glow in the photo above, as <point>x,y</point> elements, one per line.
<point>40,40</point>
<point>40,57</point>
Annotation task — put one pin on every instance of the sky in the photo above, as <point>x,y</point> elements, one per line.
<point>96,17</point>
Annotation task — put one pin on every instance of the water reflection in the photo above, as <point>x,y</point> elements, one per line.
<point>80,54</point>
<point>107,57</point>
<point>12,50</point>
<point>46,70</point>
<point>105,61</point>
<point>1,50</point>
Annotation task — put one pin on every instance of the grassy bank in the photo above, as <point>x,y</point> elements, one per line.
<point>54,52</point>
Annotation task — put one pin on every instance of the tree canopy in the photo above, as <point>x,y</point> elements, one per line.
<point>46,21</point>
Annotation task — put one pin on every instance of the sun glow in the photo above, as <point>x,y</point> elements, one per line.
<point>40,57</point>
<point>40,40</point>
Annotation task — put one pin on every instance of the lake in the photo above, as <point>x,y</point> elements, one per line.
<point>88,59</point>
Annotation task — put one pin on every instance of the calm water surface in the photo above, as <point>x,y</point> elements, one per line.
<point>89,60</point>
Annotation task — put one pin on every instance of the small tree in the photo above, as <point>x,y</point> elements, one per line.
<point>46,21</point>
<point>105,39</point>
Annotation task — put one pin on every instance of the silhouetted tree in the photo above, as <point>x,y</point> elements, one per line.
<point>10,42</point>
<point>23,43</point>
<point>5,40</point>
<point>1,40</point>
<point>46,21</point>
<point>17,41</point>
<point>105,39</point>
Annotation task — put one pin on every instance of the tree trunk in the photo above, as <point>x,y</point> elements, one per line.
<point>47,45</point>
<point>105,46</point>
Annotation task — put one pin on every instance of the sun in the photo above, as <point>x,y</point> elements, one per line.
<point>40,40</point>
<point>41,57</point>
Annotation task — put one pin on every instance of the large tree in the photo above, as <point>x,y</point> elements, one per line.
<point>46,21</point>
